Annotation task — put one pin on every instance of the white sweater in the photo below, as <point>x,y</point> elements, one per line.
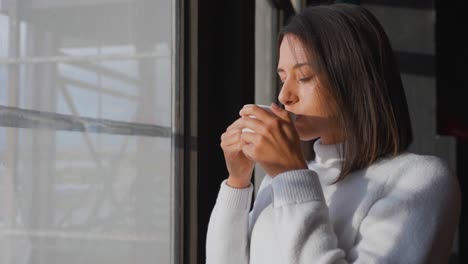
<point>401,209</point>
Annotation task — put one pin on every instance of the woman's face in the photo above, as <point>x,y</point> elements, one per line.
<point>300,93</point>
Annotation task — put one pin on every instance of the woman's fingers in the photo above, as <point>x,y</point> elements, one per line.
<point>230,137</point>
<point>256,111</point>
<point>248,122</point>
<point>281,113</point>
<point>235,124</point>
<point>249,151</point>
<point>254,144</point>
<point>250,138</point>
<point>253,124</point>
<point>274,140</point>
<point>269,119</point>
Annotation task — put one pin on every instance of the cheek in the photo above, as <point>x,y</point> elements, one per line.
<point>315,104</point>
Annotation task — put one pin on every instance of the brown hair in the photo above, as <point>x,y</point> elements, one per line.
<point>357,66</point>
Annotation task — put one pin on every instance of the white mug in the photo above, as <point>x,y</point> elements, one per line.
<point>266,107</point>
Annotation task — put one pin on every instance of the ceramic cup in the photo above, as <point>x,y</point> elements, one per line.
<point>267,108</point>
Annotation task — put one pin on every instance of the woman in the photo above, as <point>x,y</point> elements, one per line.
<point>365,198</point>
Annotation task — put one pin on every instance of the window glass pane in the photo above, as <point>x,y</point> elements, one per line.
<point>4,41</point>
<point>86,146</point>
<point>96,90</point>
<point>117,50</point>
<point>106,195</point>
<point>137,25</point>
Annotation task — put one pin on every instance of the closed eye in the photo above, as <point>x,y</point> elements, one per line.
<point>306,79</point>
<point>281,82</point>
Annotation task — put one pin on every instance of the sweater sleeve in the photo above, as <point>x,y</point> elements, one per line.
<point>406,225</point>
<point>303,229</point>
<point>227,237</point>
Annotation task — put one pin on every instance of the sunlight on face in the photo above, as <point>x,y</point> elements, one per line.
<point>300,92</point>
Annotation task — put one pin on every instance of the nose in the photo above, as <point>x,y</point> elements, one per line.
<point>287,95</point>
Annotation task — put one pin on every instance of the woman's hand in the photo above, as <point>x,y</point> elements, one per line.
<point>240,168</point>
<point>275,144</point>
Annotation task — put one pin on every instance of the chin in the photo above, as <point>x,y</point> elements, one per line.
<point>307,136</point>
<point>309,129</point>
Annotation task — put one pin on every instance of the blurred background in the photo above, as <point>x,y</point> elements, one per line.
<point>111,113</point>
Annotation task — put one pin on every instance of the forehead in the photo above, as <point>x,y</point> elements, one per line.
<point>292,51</point>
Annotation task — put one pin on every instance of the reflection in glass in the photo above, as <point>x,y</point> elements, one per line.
<point>86,193</point>
<point>81,197</point>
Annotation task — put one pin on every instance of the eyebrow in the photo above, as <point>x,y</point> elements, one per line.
<point>298,65</point>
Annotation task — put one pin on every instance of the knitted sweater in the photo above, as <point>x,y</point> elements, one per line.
<point>401,209</point>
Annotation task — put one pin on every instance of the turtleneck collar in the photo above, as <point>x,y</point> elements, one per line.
<point>328,160</point>
<point>327,155</point>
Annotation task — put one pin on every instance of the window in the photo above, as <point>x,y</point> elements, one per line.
<point>88,106</point>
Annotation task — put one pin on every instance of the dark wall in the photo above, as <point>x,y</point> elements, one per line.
<point>452,84</point>
<point>225,83</point>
